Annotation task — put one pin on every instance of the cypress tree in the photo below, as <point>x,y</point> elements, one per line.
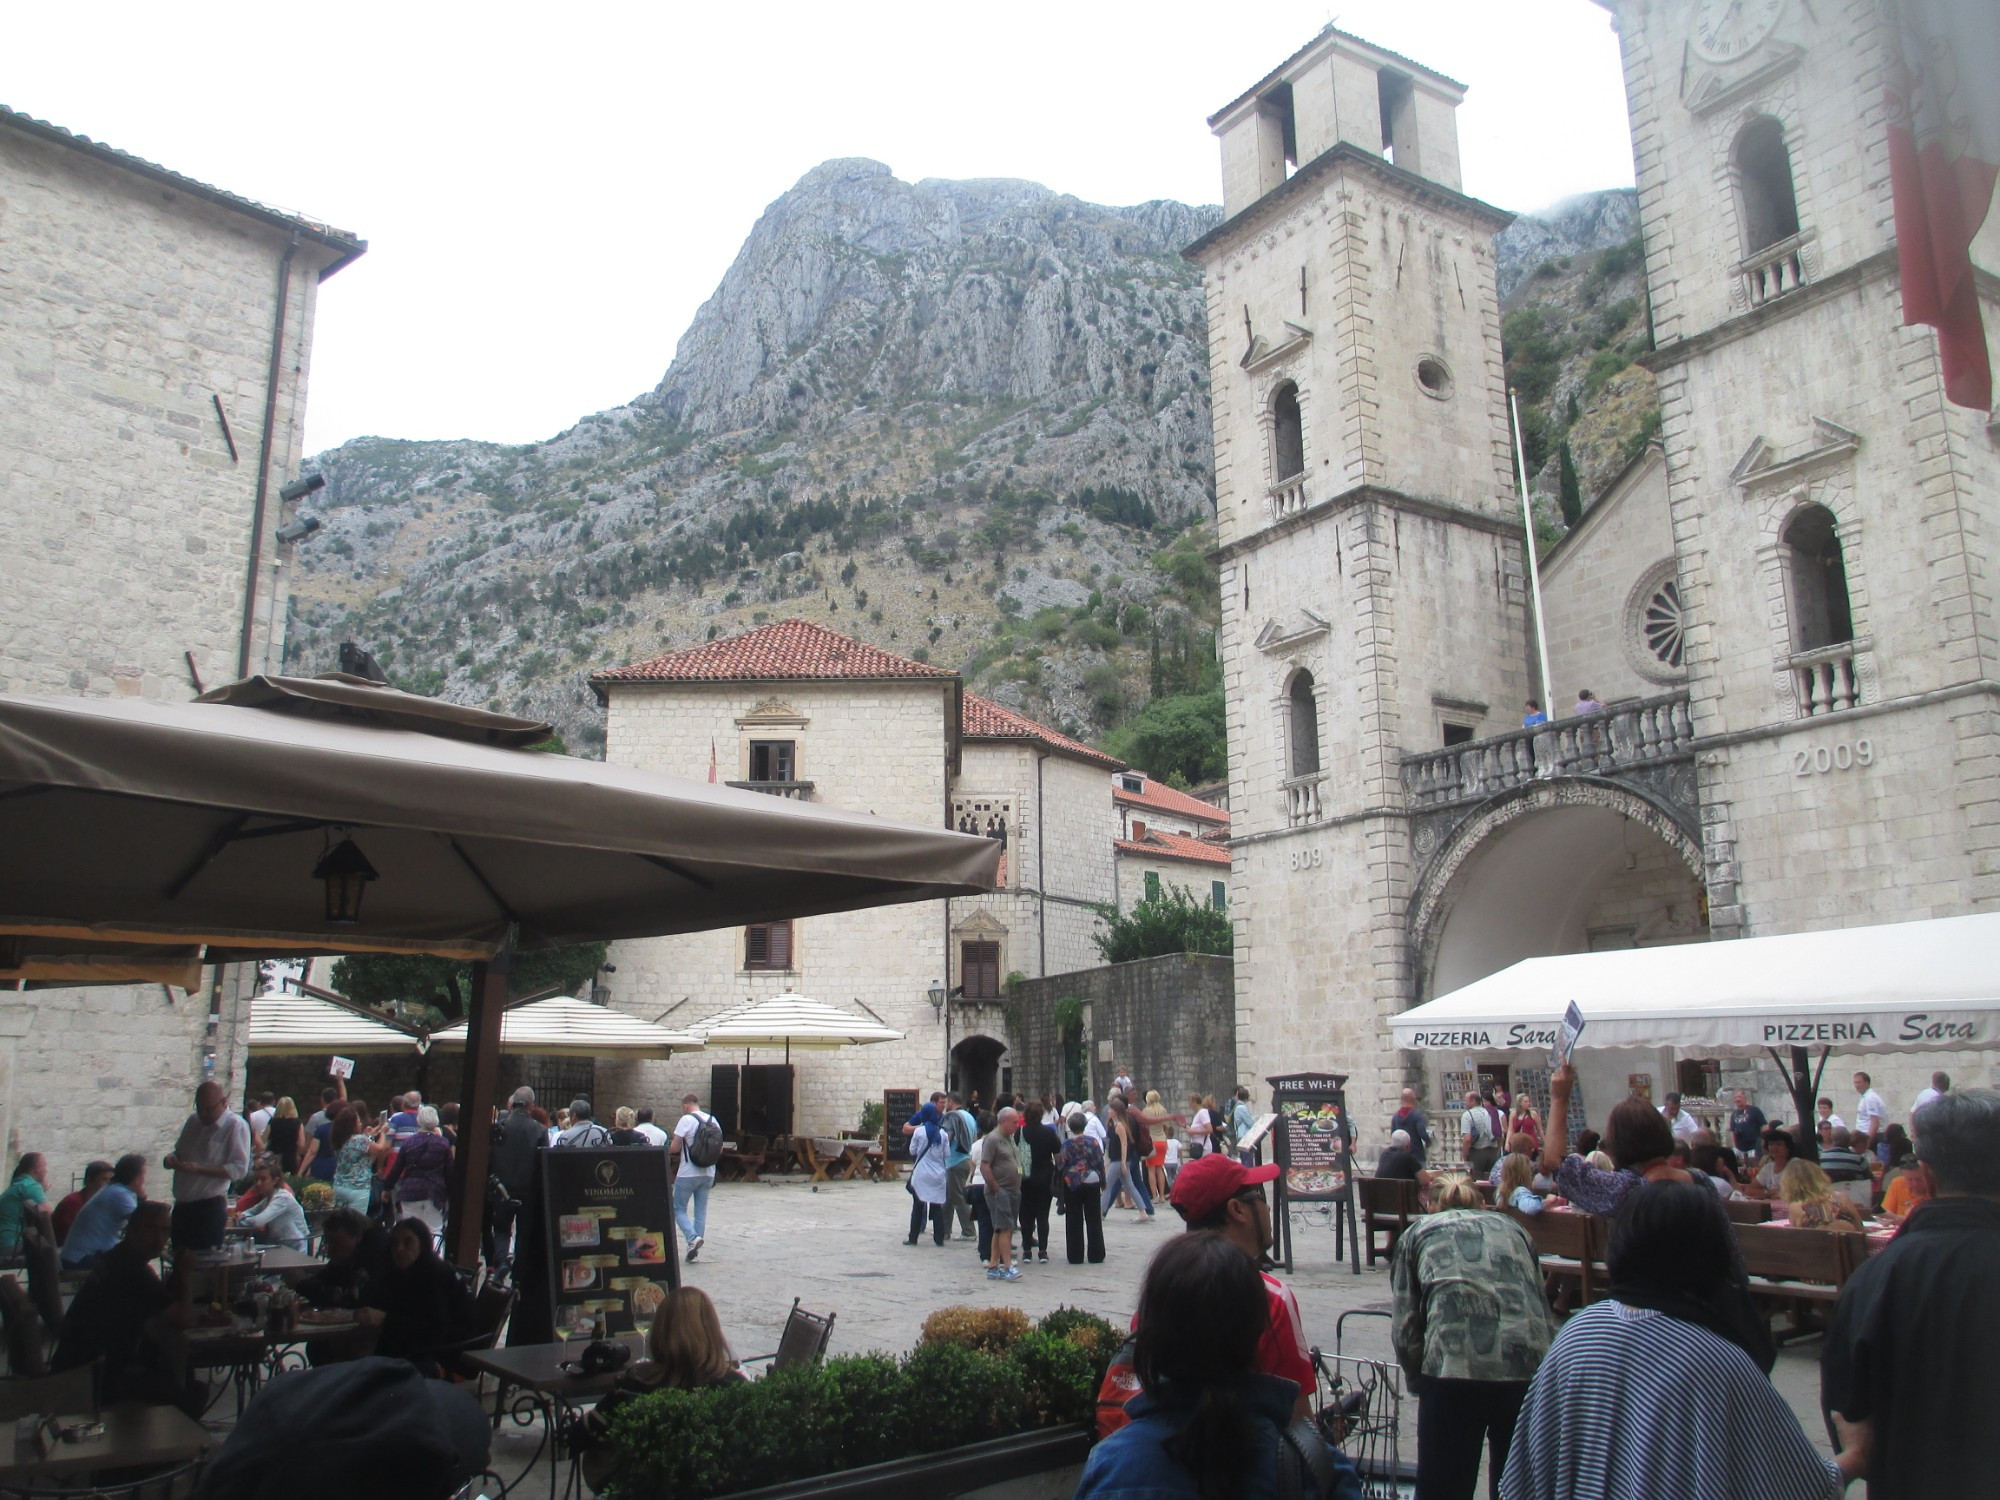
<point>1568,491</point>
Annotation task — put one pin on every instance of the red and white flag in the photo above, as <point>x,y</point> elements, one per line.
<point>1944,155</point>
<point>711,762</point>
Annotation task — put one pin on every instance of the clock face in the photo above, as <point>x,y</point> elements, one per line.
<point>1725,30</point>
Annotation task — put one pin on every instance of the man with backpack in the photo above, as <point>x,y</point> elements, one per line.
<point>697,1141</point>
<point>960,1130</point>
<point>582,1130</point>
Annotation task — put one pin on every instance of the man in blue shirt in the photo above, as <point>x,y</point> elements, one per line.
<point>403,1124</point>
<point>100,1223</point>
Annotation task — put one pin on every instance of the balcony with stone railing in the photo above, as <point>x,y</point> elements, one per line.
<point>1825,681</point>
<point>1302,804</point>
<point>798,791</point>
<point>1288,496</point>
<point>1775,270</point>
<point>1640,733</point>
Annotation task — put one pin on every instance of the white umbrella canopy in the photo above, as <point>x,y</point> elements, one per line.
<point>1901,987</point>
<point>289,1025</point>
<point>789,1021</point>
<point>564,1026</point>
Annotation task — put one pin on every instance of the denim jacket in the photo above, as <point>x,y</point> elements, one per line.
<point>1133,1463</point>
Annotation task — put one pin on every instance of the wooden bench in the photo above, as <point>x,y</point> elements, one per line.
<point>814,1157</point>
<point>1570,1247</point>
<point>1389,1205</point>
<point>1747,1210</point>
<point>1801,1269</point>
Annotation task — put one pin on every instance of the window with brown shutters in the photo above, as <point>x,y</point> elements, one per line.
<point>979,970</point>
<point>768,945</point>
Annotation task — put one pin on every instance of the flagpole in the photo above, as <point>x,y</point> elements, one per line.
<point>1534,567</point>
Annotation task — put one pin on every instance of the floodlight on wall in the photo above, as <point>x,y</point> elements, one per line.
<point>346,871</point>
<point>301,487</point>
<point>300,529</point>
<point>937,998</point>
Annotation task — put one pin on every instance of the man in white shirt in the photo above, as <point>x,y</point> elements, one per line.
<point>1092,1126</point>
<point>1475,1130</point>
<point>1940,1086</point>
<point>1684,1125</point>
<point>691,1183</point>
<point>260,1119</point>
<point>213,1150</point>
<point>653,1134</point>
<point>1871,1115</point>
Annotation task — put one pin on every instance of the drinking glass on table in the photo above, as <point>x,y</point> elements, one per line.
<point>569,1323</point>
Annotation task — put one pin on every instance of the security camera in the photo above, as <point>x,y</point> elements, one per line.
<point>303,527</point>
<point>298,489</point>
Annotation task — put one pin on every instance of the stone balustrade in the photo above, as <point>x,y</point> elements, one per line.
<point>1824,682</point>
<point>798,791</point>
<point>1288,497</point>
<point>1640,732</point>
<point>1302,804</point>
<point>1774,271</point>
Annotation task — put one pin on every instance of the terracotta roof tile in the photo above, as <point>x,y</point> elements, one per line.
<point>1157,845</point>
<point>1163,798</point>
<point>984,719</point>
<point>789,651</point>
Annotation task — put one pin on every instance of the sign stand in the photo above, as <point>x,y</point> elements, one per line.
<point>1314,1142</point>
<point>898,1105</point>
<point>608,1226</point>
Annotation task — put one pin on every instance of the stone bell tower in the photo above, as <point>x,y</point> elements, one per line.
<point>1373,594</point>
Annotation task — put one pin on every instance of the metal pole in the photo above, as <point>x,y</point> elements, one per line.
<point>1534,567</point>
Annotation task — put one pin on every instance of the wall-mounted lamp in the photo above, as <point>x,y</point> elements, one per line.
<point>346,871</point>
<point>937,997</point>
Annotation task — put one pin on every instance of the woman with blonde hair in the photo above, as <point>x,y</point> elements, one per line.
<point>1810,1198</point>
<point>282,1135</point>
<point>1517,1185</point>
<point>1156,1118</point>
<point>624,1128</point>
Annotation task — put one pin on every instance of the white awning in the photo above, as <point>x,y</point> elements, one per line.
<point>1904,987</point>
<point>295,1024</point>
<point>567,1027</point>
<point>788,1021</point>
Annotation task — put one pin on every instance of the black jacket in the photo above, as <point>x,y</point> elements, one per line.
<point>518,1139</point>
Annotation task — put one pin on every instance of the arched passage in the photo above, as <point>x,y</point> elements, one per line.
<point>1557,868</point>
<point>975,1067</point>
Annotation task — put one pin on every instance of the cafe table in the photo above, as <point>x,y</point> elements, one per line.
<point>549,1390</point>
<point>134,1437</point>
<point>251,1353</point>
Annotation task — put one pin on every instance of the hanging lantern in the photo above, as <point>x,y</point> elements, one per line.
<point>346,871</point>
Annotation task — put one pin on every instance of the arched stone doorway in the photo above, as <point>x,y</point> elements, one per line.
<point>1556,867</point>
<point>975,1069</point>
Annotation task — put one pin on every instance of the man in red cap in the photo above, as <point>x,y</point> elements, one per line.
<point>1220,1193</point>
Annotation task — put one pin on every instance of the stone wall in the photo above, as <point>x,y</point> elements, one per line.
<point>1197,879</point>
<point>1169,1022</point>
<point>128,310</point>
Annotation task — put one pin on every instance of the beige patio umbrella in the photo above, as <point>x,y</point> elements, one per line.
<point>289,1025</point>
<point>564,1026</point>
<point>789,1021</point>
<point>287,816</point>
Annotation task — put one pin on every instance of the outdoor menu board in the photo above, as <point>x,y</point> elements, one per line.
<point>610,1217</point>
<point>897,1107</point>
<point>1313,1146</point>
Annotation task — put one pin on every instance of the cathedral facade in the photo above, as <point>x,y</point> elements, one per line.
<point>1783,610</point>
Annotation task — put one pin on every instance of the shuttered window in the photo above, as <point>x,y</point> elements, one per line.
<point>768,945</point>
<point>979,967</point>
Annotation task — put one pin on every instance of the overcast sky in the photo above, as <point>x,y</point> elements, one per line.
<point>550,192</point>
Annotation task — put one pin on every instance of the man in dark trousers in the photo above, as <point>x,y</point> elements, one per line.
<point>1909,1355</point>
<point>516,1140</point>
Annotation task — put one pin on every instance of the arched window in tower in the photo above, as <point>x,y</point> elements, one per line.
<point>1304,726</point>
<point>1820,613</point>
<point>1288,438</point>
<point>1764,179</point>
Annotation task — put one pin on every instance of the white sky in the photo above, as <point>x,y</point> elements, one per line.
<point>550,192</point>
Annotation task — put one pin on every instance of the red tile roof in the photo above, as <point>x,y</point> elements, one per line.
<point>789,651</point>
<point>984,719</point>
<point>1163,798</point>
<point>1157,845</point>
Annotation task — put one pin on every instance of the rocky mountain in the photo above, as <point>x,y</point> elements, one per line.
<point>1576,226</point>
<point>967,421</point>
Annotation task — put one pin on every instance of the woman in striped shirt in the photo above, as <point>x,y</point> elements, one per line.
<point>1655,1391</point>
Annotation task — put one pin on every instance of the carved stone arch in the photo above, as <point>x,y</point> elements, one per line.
<point>1436,888</point>
<point>1832,490</point>
<point>1777,101</point>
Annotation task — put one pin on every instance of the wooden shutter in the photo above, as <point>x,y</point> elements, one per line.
<point>767,945</point>
<point>979,970</point>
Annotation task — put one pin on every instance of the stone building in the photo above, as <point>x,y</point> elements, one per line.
<point>795,710</point>
<point>1167,838</point>
<point>157,333</point>
<point>1783,606</point>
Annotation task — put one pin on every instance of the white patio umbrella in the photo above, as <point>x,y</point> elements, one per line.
<point>564,1026</point>
<point>289,1025</point>
<point>789,1021</point>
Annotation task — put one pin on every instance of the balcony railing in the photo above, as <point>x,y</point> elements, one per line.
<point>1774,271</point>
<point>1288,496</point>
<point>798,791</point>
<point>1302,799</point>
<point>1824,681</point>
<point>1647,730</point>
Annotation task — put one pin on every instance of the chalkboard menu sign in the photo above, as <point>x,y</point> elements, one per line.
<point>1314,1143</point>
<point>897,1107</point>
<point>610,1217</point>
